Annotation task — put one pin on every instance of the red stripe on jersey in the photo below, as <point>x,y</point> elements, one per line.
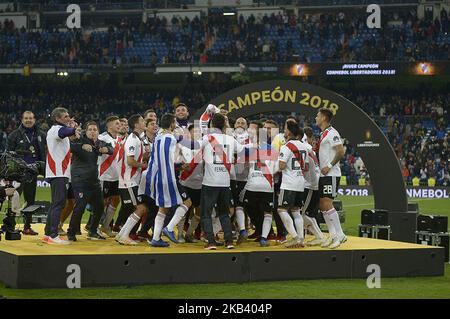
<point>322,136</point>
<point>66,161</point>
<point>192,165</point>
<point>264,169</point>
<point>108,161</point>
<point>205,116</point>
<point>297,155</point>
<point>134,169</point>
<point>217,147</point>
<point>51,163</point>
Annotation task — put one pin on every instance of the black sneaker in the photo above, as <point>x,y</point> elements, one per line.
<point>71,237</point>
<point>95,236</point>
<point>78,232</point>
<point>219,243</point>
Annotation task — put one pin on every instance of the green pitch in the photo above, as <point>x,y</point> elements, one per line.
<point>424,287</point>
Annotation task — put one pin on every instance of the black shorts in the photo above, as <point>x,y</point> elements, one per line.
<point>194,195</point>
<point>289,199</point>
<point>146,200</point>
<point>311,202</point>
<point>236,188</point>
<point>328,186</point>
<point>129,196</point>
<point>183,192</point>
<point>110,188</point>
<point>261,201</point>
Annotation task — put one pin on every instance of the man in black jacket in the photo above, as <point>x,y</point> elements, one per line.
<point>85,182</point>
<point>29,142</point>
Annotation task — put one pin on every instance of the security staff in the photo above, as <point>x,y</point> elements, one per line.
<point>85,182</point>
<point>28,141</point>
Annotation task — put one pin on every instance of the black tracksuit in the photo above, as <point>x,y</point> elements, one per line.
<point>30,145</point>
<point>85,183</point>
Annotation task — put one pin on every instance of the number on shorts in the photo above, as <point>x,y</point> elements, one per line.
<point>327,189</point>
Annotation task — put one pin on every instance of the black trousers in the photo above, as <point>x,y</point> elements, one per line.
<point>220,196</point>
<point>29,194</point>
<point>84,193</point>
<point>58,187</point>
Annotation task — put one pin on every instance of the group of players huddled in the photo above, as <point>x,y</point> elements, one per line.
<point>190,181</point>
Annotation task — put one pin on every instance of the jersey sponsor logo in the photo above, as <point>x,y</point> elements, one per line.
<point>336,139</point>
<point>131,148</point>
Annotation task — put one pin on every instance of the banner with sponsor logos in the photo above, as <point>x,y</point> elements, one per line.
<point>411,192</point>
<point>366,69</point>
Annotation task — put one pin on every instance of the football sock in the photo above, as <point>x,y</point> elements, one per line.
<point>159,223</point>
<point>312,226</point>
<point>288,223</point>
<point>129,224</point>
<point>334,219</point>
<point>267,223</point>
<point>240,218</point>
<point>177,217</point>
<point>298,221</point>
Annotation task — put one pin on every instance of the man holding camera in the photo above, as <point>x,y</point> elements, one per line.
<point>6,192</point>
<point>57,169</point>
<point>28,141</point>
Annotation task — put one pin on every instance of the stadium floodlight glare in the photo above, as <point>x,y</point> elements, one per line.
<point>229,13</point>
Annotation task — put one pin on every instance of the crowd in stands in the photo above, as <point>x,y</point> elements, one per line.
<point>416,126</point>
<point>330,37</point>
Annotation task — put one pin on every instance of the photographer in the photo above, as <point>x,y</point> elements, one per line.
<point>6,192</point>
<point>85,182</point>
<point>28,141</point>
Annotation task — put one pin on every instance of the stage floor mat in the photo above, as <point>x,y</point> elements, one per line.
<point>32,245</point>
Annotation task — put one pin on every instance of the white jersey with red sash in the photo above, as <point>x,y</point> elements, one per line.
<point>192,179</point>
<point>313,172</point>
<point>241,168</point>
<point>263,165</point>
<point>293,153</point>
<point>329,139</point>
<point>218,156</point>
<point>58,154</point>
<point>108,165</point>
<point>131,176</point>
<point>206,116</point>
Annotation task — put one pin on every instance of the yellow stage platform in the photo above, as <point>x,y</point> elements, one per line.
<point>32,245</point>
<point>29,263</point>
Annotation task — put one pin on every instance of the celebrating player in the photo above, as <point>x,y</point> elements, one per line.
<point>330,151</point>
<point>292,163</point>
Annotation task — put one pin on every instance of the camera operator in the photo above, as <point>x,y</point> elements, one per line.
<point>85,182</point>
<point>28,141</point>
<point>57,169</point>
<point>6,192</point>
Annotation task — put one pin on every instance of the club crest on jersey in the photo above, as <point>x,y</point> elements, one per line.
<point>336,139</point>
